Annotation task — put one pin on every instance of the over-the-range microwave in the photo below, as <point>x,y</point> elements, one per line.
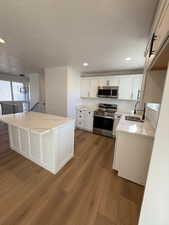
<point>108,92</point>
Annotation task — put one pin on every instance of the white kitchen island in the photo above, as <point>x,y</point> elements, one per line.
<point>47,140</point>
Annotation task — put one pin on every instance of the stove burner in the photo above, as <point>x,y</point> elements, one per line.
<point>106,110</point>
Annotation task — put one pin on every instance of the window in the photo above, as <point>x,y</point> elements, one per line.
<point>18,91</point>
<point>13,91</point>
<point>153,106</point>
<point>5,91</point>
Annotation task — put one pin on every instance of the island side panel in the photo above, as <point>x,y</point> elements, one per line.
<point>64,145</point>
<point>35,151</point>
<point>24,140</point>
<point>48,147</point>
<point>14,138</point>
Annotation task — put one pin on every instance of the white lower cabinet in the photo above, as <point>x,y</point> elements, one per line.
<point>84,119</point>
<point>132,156</point>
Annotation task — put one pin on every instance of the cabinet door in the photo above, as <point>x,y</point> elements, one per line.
<point>114,81</point>
<point>89,120</point>
<point>137,82</point>
<point>125,88</point>
<point>109,81</point>
<point>94,84</point>
<point>104,82</point>
<point>66,144</point>
<point>163,28</point>
<point>85,88</point>
<point>80,124</point>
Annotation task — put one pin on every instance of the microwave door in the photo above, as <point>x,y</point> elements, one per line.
<point>114,93</point>
<point>104,92</point>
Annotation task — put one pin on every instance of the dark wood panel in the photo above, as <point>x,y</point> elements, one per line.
<point>84,192</point>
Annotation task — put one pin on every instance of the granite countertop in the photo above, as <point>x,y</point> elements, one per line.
<point>38,122</point>
<point>133,127</point>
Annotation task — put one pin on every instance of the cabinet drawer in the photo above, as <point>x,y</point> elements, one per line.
<point>80,124</point>
<point>89,114</point>
<point>80,114</point>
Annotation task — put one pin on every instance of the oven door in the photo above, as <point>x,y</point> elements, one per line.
<point>103,125</point>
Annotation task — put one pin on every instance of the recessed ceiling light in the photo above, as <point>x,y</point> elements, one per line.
<point>128,58</point>
<point>85,64</point>
<point>2,41</point>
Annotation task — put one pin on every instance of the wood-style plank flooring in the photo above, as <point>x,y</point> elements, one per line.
<point>84,192</point>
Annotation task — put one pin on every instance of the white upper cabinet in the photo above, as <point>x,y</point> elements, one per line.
<point>162,28</point>
<point>114,81</point>
<point>109,81</point>
<point>125,87</point>
<point>94,83</point>
<point>159,33</point>
<point>137,83</point>
<point>85,88</point>
<point>129,86</point>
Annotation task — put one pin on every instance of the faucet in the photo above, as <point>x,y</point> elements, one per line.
<point>144,112</point>
<point>135,107</point>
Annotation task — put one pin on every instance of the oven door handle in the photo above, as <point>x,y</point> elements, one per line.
<point>107,117</point>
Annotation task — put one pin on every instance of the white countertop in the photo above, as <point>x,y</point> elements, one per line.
<point>87,107</point>
<point>133,127</point>
<point>38,122</point>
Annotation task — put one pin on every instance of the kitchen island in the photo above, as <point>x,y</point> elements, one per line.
<point>47,140</point>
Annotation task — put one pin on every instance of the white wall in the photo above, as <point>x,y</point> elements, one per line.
<point>34,88</point>
<point>56,90</point>
<point>155,207</point>
<point>62,87</point>
<point>73,92</point>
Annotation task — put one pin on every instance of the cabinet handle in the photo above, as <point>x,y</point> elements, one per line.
<point>154,37</point>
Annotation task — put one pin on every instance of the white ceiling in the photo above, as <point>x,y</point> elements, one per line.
<point>44,33</point>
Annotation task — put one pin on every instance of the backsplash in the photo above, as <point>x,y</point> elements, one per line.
<point>152,113</point>
<point>123,106</point>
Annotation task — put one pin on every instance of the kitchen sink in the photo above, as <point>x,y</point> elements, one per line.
<point>134,118</point>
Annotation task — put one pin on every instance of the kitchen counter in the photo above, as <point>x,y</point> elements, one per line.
<point>87,107</point>
<point>38,122</point>
<point>133,127</point>
<point>47,140</point>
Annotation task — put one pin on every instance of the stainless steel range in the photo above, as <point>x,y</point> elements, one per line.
<point>104,119</point>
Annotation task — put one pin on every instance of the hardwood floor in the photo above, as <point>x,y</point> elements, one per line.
<point>84,192</point>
